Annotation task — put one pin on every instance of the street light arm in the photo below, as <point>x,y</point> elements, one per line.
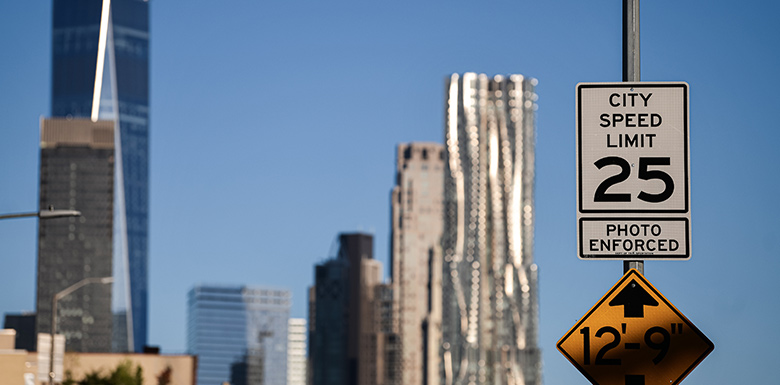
<point>44,214</point>
<point>57,297</point>
<point>20,215</point>
<point>79,284</point>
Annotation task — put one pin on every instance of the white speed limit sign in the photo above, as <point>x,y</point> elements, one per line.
<point>633,189</point>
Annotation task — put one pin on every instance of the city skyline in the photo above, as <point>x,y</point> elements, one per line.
<point>265,147</point>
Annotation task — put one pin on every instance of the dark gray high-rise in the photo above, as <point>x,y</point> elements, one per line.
<point>77,171</point>
<point>345,341</point>
<point>100,70</point>
<point>24,324</point>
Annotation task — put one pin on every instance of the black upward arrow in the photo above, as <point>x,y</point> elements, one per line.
<point>633,299</point>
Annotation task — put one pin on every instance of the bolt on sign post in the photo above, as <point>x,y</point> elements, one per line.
<point>634,336</point>
<point>633,194</point>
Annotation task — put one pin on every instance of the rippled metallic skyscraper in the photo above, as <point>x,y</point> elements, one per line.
<point>489,283</point>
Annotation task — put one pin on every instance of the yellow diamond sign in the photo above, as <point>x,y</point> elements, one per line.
<point>634,336</point>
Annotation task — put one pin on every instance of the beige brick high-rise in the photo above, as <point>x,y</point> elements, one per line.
<point>416,268</point>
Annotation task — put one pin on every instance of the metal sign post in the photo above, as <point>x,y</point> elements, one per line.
<point>631,73</point>
<point>633,166</point>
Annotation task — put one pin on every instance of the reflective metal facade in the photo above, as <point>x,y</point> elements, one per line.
<point>489,283</point>
<point>239,334</point>
<point>100,70</point>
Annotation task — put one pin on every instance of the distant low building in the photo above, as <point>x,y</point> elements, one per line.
<point>296,351</point>
<point>239,334</point>
<point>24,324</point>
<point>18,366</point>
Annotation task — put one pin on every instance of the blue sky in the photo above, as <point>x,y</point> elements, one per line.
<point>274,123</point>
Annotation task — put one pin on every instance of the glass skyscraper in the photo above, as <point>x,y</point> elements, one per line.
<point>239,334</point>
<point>489,281</point>
<point>100,70</point>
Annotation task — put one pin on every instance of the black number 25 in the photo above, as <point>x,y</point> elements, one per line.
<point>625,171</point>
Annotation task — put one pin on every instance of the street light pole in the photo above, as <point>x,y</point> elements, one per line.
<point>59,296</point>
<point>49,214</point>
